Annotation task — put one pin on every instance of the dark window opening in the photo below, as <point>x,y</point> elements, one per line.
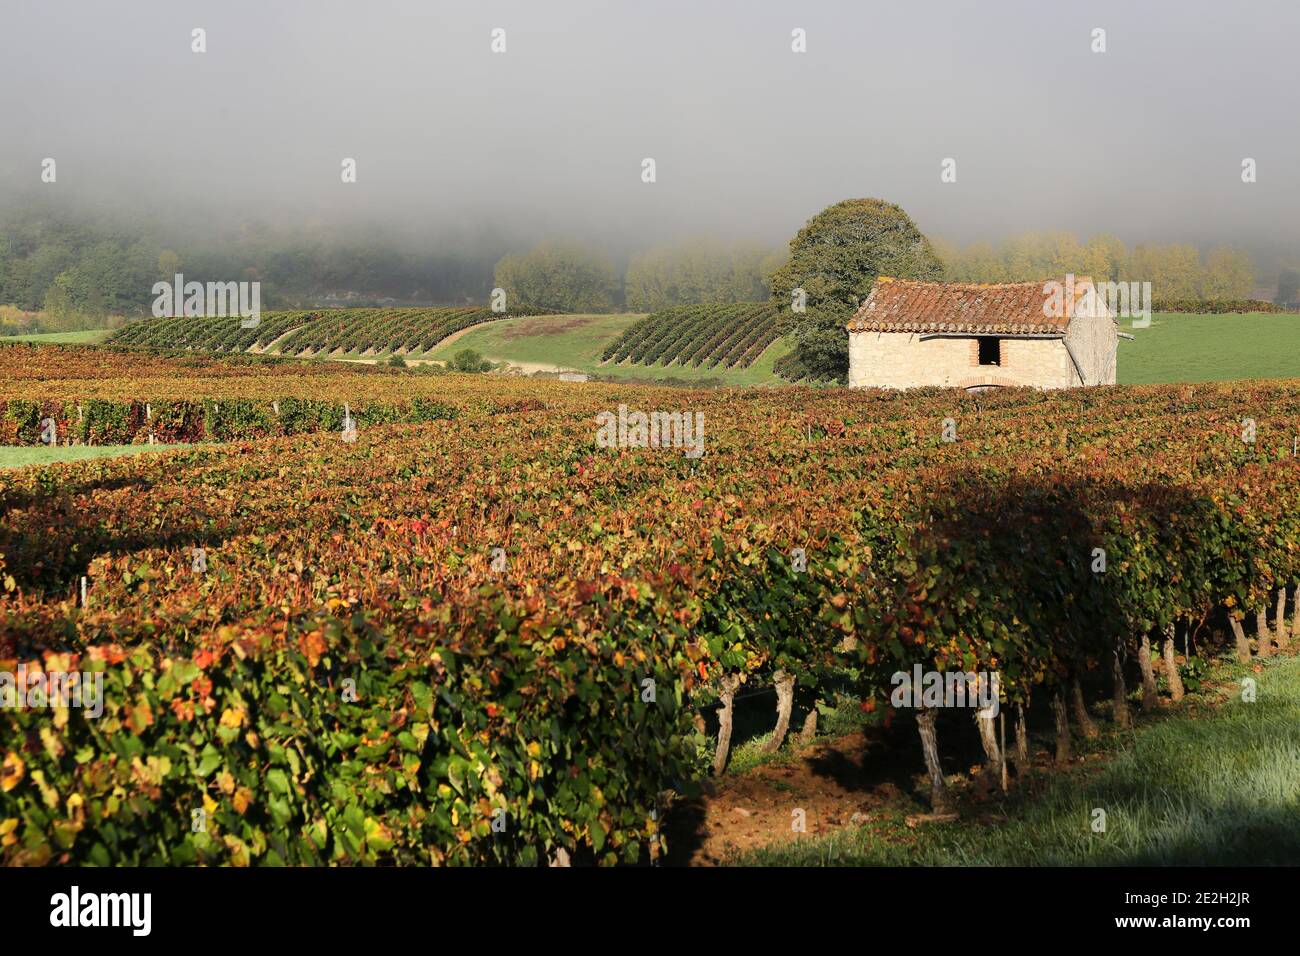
<point>990,350</point>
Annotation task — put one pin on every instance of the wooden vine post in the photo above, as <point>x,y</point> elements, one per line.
<point>1150,695</point>
<point>1279,619</point>
<point>939,799</point>
<point>1171,665</point>
<point>1123,716</point>
<point>1022,742</point>
<point>989,741</point>
<point>1239,633</point>
<point>1063,751</point>
<point>1295,612</point>
<point>1002,730</point>
<point>1081,715</point>
<point>988,735</point>
<point>727,694</point>
<point>809,732</point>
<point>784,682</point>
<point>1262,635</point>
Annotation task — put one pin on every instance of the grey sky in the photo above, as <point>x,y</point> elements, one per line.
<point>1145,140</point>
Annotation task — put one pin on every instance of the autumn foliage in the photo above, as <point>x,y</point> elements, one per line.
<point>358,675</point>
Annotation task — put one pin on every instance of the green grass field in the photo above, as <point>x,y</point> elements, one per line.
<point>21,456</point>
<point>1211,348</point>
<point>577,341</point>
<point>1212,783</point>
<point>573,341</point>
<point>87,337</point>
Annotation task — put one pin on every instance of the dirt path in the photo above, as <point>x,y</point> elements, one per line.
<point>838,782</point>
<point>457,335</point>
<point>274,343</point>
<point>528,368</point>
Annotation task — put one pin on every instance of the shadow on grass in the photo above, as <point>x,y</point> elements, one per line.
<point>1221,788</point>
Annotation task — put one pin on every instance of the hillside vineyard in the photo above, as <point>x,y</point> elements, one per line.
<point>712,336</point>
<point>319,332</point>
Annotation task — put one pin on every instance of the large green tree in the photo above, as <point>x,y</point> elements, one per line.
<point>558,275</point>
<point>834,259</point>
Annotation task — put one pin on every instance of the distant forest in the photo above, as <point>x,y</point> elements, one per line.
<point>77,269</point>
<point>60,271</point>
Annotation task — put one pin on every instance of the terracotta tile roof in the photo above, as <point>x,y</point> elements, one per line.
<point>906,305</point>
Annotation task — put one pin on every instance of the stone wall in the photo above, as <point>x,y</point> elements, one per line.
<point>905,360</point>
<point>1094,339</point>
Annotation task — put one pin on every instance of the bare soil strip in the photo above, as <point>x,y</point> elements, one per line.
<point>274,343</point>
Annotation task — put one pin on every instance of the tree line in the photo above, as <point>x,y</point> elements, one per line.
<point>1176,271</point>
<point>571,277</point>
<point>61,271</point>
